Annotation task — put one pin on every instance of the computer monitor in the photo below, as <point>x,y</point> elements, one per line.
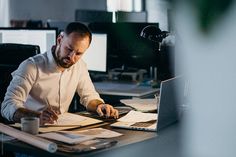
<point>89,16</point>
<point>60,25</point>
<point>45,38</point>
<point>127,48</point>
<point>122,16</point>
<point>96,55</point>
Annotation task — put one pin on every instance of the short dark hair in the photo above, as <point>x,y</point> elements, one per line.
<point>80,28</point>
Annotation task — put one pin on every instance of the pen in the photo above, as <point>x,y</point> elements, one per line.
<point>51,108</point>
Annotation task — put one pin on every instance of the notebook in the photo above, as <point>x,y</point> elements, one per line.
<point>167,114</point>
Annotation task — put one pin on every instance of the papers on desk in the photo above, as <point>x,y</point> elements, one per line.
<point>68,119</point>
<point>135,116</point>
<point>87,146</point>
<point>137,121</point>
<point>49,128</point>
<point>75,137</point>
<point>96,133</point>
<point>66,137</point>
<point>143,105</point>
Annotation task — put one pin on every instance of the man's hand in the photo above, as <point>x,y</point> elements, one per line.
<point>107,110</point>
<point>48,116</point>
<point>24,112</point>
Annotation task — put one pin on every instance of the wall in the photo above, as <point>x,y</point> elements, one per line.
<point>63,10</point>
<point>157,12</point>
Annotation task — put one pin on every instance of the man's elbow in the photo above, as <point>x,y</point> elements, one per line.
<point>6,112</point>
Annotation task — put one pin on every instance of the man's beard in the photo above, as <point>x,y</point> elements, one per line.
<point>63,62</point>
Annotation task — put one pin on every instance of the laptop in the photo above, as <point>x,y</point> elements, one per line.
<point>170,90</point>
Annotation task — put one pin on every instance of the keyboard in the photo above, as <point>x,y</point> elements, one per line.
<point>144,124</point>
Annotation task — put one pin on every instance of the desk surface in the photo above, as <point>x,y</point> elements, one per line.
<point>165,144</point>
<point>124,89</point>
<point>133,143</point>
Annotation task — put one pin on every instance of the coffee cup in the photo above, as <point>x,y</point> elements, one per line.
<point>30,125</point>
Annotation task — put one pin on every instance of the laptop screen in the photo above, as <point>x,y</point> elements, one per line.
<point>171,95</point>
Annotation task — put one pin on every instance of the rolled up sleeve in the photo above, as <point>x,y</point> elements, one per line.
<point>19,88</point>
<point>85,88</point>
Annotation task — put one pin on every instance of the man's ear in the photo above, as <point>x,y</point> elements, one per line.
<point>59,38</point>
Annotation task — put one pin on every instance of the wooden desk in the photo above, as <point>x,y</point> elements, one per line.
<point>167,143</point>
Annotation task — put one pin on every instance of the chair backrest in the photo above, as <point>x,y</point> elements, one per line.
<point>14,54</point>
<point>34,24</point>
<point>11,55</point>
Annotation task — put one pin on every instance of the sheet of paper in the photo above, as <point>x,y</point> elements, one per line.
<point>66,137</point>
<point>144,105</point>
<point>51,128</point>
<point>48,128</point>
<point>136,116</point>
<point>96,133</point>
<point>68,119</point>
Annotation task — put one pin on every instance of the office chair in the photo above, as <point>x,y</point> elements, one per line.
<point>11,56</point>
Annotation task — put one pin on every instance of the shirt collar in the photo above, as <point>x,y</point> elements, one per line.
<point>52,65</point>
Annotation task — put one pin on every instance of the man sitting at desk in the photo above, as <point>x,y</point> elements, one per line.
<point>44,85</point>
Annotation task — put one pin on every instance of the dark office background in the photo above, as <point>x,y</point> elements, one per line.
<point>138,54</point>
<point>64,10</point>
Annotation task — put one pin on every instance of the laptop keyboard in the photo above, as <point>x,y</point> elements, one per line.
<point>144,124</point>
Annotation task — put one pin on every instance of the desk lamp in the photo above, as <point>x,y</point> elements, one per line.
<point>153,33</point>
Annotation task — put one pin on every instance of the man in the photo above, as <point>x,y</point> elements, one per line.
<point>44,85</point>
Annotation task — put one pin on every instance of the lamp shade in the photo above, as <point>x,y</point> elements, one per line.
<point>153,33</point>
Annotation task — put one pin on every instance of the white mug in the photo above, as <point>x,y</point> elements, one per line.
<point>30,125</point>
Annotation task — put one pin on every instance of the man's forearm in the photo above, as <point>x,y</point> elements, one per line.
<point>23,112</point>
<point>92,106</point>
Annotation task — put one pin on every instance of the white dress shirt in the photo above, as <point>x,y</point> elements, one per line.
<point>38,79</point>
